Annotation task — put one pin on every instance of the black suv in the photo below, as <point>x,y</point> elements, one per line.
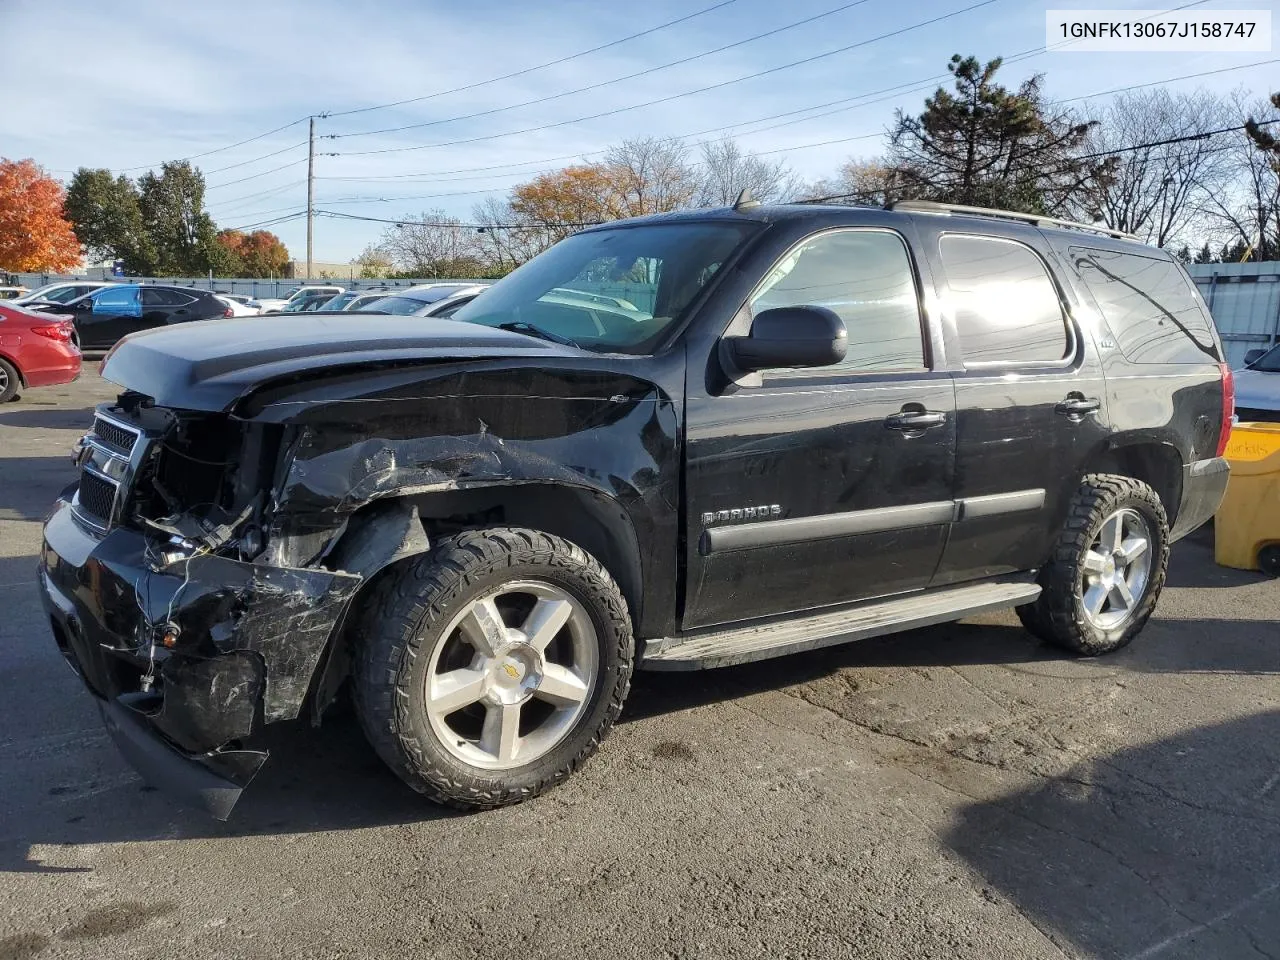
<point>111,313</point>
<point>671,443</point>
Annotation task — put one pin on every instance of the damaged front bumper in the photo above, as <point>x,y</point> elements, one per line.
<point>188,657</point>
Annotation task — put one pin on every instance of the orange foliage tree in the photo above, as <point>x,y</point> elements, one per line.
<point>34,235</point>
<point>257,254</point>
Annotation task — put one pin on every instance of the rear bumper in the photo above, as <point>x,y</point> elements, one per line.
<point>47,363</point>
<point>248,641</point>
<point>1204,484</point>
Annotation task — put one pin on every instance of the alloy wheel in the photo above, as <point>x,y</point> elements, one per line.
<point>515,671</point>
<point>1117,569</point>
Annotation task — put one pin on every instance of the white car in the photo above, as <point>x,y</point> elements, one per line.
<point>239,305</point>
<point>275,304</point>
<point>1258,386</point>
<point>62,292</point>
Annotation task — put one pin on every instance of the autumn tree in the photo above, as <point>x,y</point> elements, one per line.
<point>259,254</point>
<point>173,216</point>
<point>725,170</point>
<point>107,218</point>
<point>34,235</point>
<point>433,245</point>
<point>649,175</point>
<point>374,263</point>
<point>986,145</point>
<point>561,201</point>
<point>1162,176</point>
<point>862,182</point>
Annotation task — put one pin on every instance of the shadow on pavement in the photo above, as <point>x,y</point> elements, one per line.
<point>31,484</point>
<point>1163,850</point>
<point>315,781</point>
<point>52,418</point>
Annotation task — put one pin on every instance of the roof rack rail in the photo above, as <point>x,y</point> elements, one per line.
<point>930,206</point>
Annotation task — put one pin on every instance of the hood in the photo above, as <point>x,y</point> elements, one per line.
<point>208,365</point>
<point>1255,388</point>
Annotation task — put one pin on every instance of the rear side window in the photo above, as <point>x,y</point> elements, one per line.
<point>164,298</point>
<point>865,277</point>
<point>1006,307</point>
<point>1150,306</point>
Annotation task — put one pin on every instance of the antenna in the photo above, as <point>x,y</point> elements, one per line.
<point>745,201</point>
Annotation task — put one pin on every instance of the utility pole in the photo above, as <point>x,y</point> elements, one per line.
<point>311,189</point>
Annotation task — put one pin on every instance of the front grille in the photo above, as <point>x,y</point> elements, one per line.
<point>96,497</point>
<point>114,435</point>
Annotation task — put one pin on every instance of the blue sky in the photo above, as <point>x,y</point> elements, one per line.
<point>141,81</point>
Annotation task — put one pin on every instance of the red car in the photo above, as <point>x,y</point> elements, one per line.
<point>36,350</point>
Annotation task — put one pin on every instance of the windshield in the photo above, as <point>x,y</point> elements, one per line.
<point>1269,362</point>
<point>54,293</point>
<point>400,306</point>
<point>612,291</point>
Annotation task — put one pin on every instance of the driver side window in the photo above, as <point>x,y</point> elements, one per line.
<point>864,276</point>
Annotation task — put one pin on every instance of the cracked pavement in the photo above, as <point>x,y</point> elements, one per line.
<point>961,791</point>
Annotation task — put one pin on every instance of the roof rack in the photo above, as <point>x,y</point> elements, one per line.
<point>929,206</point>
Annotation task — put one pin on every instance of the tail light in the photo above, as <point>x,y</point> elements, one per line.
<point>63,330</point>
<point>1228,406</point>
<point>228,313</point>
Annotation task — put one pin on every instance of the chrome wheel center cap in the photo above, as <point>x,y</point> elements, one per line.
<point>514,673</point>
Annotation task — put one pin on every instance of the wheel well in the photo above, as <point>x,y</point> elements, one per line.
<point>1158,465</point>
<point>594,522</point>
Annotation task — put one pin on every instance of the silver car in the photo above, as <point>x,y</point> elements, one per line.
<point>1258,386</point>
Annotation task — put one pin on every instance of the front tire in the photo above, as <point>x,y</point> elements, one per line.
<point>490,668</point>
<point>1107,569</point>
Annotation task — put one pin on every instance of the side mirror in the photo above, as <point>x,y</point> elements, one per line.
<point>1253,356</point>
<point>791,337</point>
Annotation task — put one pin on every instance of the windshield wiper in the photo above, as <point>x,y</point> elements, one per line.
<point>520,326</point>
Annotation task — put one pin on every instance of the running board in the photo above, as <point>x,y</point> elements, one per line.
<point>779,638</point>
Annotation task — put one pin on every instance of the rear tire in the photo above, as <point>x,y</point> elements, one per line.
<point>10,381</point>
<point>1107,568</point>
<point>490,668</point>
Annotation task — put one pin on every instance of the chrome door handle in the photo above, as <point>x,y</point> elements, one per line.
<point>1077,406</point>
<point>911,421</point>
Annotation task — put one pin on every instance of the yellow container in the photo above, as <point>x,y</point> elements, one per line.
<point>1248,521</point>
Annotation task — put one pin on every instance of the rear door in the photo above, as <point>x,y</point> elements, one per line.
<point>819,486</point>
<point>1030,394</point>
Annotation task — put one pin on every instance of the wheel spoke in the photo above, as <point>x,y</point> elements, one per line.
<point>1121,589</point>
<point>500,735</point>
<point>1132,548</point>
<point>484,627</point>
<point>454,690</point>
<point>1095,597</point>
<point>1112,533</point>
<point>1094,562</point>
<point>561,686</point>
<point>545,620</point>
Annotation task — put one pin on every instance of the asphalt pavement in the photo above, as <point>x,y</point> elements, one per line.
<point>962,791</point>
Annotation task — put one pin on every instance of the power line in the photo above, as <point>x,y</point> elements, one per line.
<point>687,93</point>
<point>1132,148</point>
<point>245,163</point>
<point>209,153</point>
<point>270,223</point>
<point>540,66</point>
<point>409,221</point>
<point>255,176</point>
<point>605,83</point>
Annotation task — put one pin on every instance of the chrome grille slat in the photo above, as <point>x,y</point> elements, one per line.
<point>114,435</point>
<point>117,448</point>
<point>96,497</point>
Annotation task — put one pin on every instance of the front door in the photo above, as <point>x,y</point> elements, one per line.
<point>113,312</point>
<point>1029,398</point>
<point>820,486</point>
